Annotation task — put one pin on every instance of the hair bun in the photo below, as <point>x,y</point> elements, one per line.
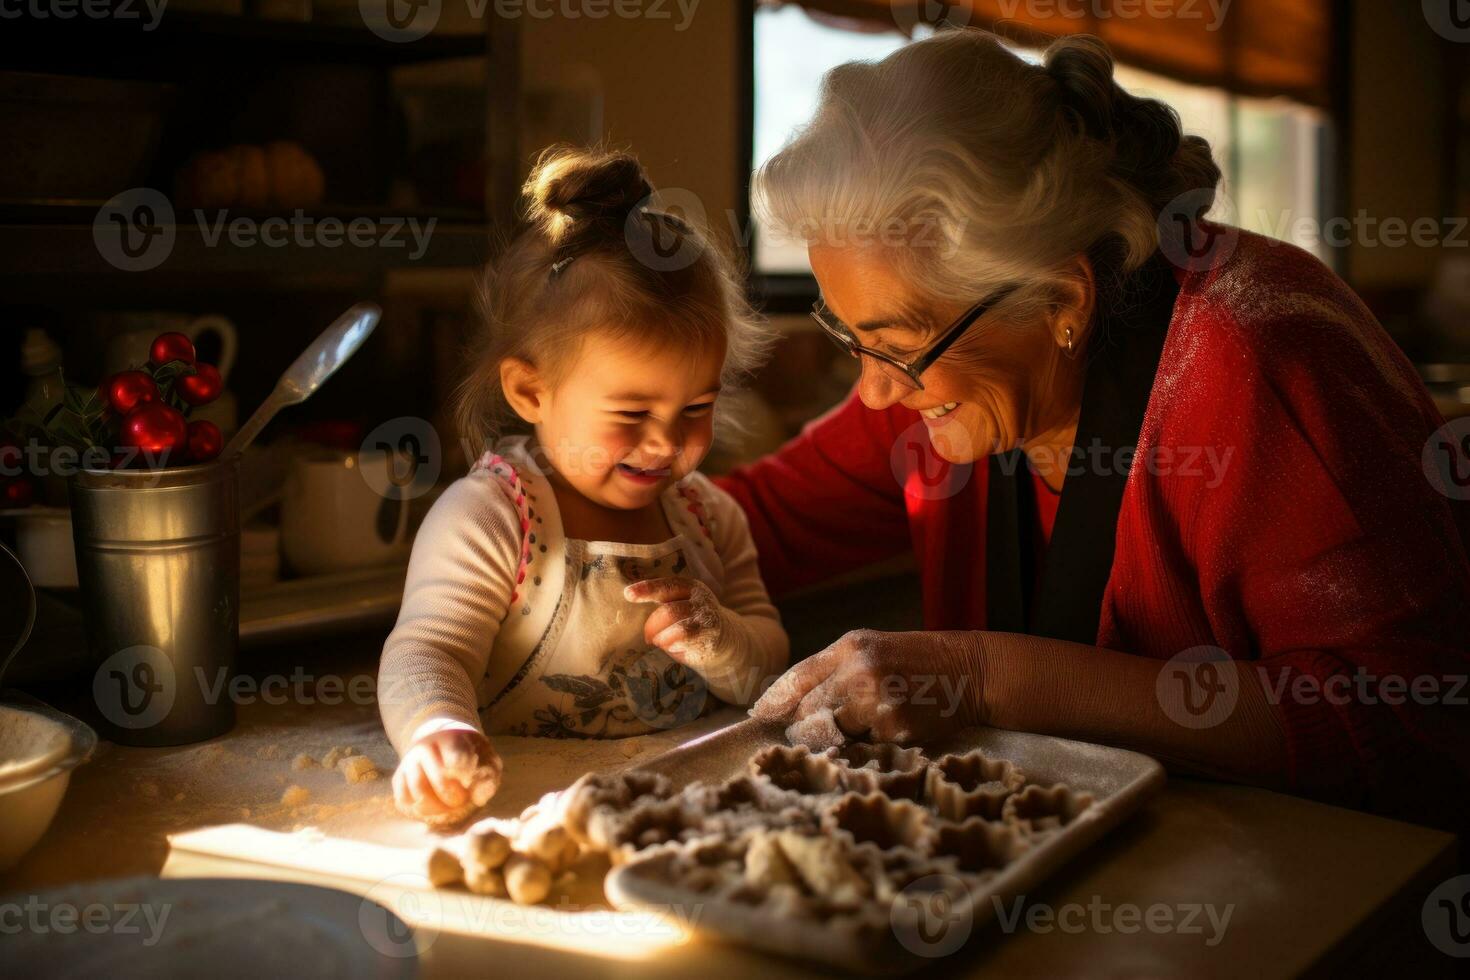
<point>1147,146</point>
<point>1082,66</point>
<point>572,187</point>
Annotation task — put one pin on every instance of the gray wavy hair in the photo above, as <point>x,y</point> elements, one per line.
<point>977,169</point>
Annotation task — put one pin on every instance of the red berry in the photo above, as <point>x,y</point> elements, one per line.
<point>126,390</point>
<point>171,347</point>
<point>201,387</point>
<point>154,428</point>
<point>17,493</point>
<point>205,441</point>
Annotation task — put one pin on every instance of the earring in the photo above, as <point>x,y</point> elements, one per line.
<point>1069,340</point>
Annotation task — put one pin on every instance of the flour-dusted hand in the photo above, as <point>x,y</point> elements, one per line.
<point>446,775</point>
<point>885,687</point>
<point>692,627</point>
<point>689,618</point>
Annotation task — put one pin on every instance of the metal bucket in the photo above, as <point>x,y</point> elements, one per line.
<point>158,563</point>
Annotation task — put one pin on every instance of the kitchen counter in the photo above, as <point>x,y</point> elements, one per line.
<point>1307,887</point>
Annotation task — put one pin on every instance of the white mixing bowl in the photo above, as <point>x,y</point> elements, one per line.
<point>39,747</point>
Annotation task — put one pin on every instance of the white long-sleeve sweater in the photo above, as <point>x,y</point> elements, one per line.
<point>509,626</point>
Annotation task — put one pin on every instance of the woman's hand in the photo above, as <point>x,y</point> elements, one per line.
<point>446,775</point>
<point>885,687</point>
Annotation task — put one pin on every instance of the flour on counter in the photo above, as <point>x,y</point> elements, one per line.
<point>112,825</point>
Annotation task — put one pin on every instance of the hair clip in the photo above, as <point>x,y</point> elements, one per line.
<point>679,223</point>
<point>560,264</point>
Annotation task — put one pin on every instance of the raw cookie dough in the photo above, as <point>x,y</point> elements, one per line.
<point>818,731</point>
<point>485,881</point>
<point>357,769</point>
<point>527,879</point>
<point>295,795</point>
<point>337,754</point>
<point>443,868</point>
<point>766,865</point>
<point>480,775</point>
<point>823,868</point>
<point>486,848</point>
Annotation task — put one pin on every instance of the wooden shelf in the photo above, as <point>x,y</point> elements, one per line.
<point>245,80</point>
<point>81,211</point>
<point>141,48</point>
<point>57,239</point>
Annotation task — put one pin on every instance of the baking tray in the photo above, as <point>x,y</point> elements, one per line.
<point>1119,781</point>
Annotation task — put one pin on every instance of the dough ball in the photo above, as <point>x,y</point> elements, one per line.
<point>358,769</point>
<point>527,879</point>
<point>485,881</point>
<point>481,780</point>
<point>547,842</point>
<point>448,818</point>
<point>303,761</point>
<point>488,849</point>
<point>295,795</point>
<point>444,868</point>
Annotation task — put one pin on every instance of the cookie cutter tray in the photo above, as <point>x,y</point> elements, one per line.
<point>1119,781</point>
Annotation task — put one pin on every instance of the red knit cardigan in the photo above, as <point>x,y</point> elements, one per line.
<point>1318,548</point>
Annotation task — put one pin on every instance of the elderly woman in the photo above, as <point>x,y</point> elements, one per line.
<point>1177,506</point>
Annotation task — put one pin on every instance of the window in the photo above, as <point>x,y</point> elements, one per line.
<point>1274,153</point>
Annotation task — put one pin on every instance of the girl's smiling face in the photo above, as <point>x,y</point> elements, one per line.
<point>621,420</point>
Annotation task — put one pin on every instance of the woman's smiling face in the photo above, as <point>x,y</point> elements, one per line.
<point>1001,386</point>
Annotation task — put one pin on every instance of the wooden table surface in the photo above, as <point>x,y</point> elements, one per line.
<point>1307,888</point>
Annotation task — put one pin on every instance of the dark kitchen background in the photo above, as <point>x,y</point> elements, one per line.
<point>391,118</point>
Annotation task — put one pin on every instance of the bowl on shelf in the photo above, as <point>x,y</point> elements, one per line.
<point>72,138</point>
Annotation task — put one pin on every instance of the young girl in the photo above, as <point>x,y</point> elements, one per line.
<point>582,581</point>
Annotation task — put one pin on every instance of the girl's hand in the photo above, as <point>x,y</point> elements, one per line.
<point>446,775</point>
<point>692,627</point>
<point>688,625</point>
<point>885,687</point>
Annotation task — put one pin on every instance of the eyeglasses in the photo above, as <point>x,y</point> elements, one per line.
<point>899,372</point>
